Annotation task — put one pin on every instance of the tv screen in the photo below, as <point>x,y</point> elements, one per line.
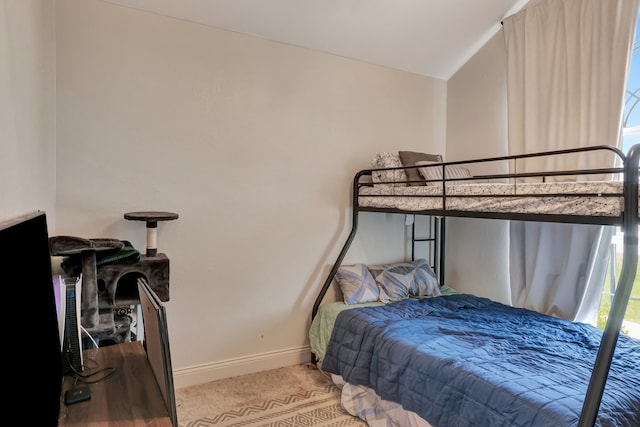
<point>32,342</point>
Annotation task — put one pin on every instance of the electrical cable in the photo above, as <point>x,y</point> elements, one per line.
<point>86,377</point>
<point>90,337</point>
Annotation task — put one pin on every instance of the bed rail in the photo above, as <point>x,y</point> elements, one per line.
<point>444,194</point>
<point>623,292</point>
<point>345,247</point>
<point>515,159</point>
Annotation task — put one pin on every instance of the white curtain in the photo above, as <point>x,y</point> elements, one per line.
<point>567,64</point>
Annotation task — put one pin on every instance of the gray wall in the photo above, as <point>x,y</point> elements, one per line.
<point>253,143</point>
<point>27,108</point>
<point>477,249</point>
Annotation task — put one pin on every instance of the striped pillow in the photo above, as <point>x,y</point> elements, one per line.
<point>435,172</point>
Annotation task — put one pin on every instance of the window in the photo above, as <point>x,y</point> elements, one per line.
<point>631,117</point>
<point>630,136</point>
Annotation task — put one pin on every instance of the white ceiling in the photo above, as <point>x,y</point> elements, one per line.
<point>428,37</point>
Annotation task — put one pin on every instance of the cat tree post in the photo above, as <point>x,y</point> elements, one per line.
<point>151,218</point>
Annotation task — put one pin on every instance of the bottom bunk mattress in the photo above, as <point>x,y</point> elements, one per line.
<point>464,360</point>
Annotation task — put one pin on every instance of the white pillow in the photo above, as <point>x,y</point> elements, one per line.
<point>435,172</point>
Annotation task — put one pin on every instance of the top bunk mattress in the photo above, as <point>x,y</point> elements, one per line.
<point>592,198</point>
<point>577,185</point>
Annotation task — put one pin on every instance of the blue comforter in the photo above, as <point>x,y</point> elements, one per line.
<point>462,360</point>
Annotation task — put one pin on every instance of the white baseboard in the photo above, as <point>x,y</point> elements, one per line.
<point>200,374</point>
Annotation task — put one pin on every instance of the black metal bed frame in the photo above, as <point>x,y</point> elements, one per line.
<point>628,224</point>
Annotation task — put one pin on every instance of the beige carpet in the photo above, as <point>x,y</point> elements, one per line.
<point>299,395</point>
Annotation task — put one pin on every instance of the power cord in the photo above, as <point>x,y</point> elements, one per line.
<point>86,377</point>
<point>95,344</point>
<point>77,393</point>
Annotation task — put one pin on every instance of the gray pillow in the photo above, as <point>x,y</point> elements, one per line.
<point>410,158</point>
<point>435,172</point>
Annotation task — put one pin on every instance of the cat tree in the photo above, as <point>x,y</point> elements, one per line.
<point>109,276</point>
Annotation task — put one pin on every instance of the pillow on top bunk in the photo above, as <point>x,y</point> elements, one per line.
<point>411,158</point>
<point>402,280</point>
<point>388,160</point>
<point>357,284</point>
<point>435,172</point>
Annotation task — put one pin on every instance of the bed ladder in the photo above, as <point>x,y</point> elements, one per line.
<point>434,241</point>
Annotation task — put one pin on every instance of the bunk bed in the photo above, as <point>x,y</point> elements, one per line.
<point>351,350</point>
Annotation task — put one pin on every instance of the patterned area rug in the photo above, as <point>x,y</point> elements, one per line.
<point>317,407</point>
<point>298,395</point>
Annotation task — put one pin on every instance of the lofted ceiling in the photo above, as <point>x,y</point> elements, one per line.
<point>428,37</point>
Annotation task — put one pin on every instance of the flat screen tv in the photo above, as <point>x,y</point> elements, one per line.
<point>33,369</point>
